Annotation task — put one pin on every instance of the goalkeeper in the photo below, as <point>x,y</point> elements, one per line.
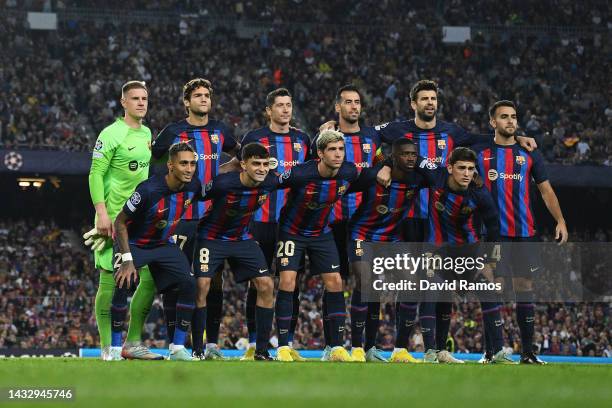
<point>120,161</point>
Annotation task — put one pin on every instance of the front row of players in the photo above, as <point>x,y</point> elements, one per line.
<point>149,218</point>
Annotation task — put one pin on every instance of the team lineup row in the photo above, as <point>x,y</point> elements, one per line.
<point>251,215</point>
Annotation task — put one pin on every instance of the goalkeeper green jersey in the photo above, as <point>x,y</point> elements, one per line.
<point>120,161</point>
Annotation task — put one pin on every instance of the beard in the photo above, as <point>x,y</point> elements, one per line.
<point>198,113</point>
<point>505,133</point>
<point>426,117</point>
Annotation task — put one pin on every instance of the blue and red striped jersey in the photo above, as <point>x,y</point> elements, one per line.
<point>434,144</point>
<point>381,210</point>
<point>233,206</point>
<point>507,173</point>
<point>286,150</point>
<point>311,197</point>
<point>153,210</point>
<point>451,212</point>
<point>208,141</point>
<point>360,148</point>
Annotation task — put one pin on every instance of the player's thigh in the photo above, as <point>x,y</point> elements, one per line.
<point>323,255</point>
<point>266,235</point>
<point>185,237</point>
<point>340,232</point>
<point>290,250</point>
<point>520,259</point>
<point>209,258</point>
<point>171,268</point>
<point>247,261</point>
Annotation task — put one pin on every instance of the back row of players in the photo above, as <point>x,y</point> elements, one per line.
<point>255,216</point>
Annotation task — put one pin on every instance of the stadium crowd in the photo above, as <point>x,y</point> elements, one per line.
<point>47,291</point>
<point>62,87</point>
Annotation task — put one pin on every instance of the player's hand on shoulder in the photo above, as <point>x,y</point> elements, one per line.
<point>383,177</point>
<point>528,143</point>
<point>329,125</point>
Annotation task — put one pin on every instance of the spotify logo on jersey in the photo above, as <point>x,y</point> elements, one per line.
<point>133,165</point>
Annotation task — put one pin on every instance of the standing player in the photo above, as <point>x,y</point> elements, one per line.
<point>144,229</point>
<point>120,161</point>
<point>361,146</point>
<point>507,170</point>
<point>287,147</point>
<point>209,138</point>
<point>315,186</point>
<point>223,234</point>
<point>375,220</point>
<point>435,140</point>
<point>454,201</point>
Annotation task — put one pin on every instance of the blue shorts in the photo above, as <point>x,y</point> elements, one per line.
<point>266,235</point>
<point>340,231</point>
<point>245,258</point>
<point>168,265</point>
<point>520,259</point>
<point>322,253</point>
<point>185,237</point>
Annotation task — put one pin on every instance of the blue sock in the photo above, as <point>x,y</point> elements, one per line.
<point>359,312</point>
<point>427,317</point>
<point>184,315</point>
<point>491,319</point>
<point>250,313</point>
<point>284,308</point>
<point>214,304</point>
<point>296,312</point>
<point>405,323</point>
<point>336,308</point>
<point>372,324</point>
<point>326,329</point>
<point>118,311</point>
<point>263,317</point>
<point>525,313</point>
<point>443,320</point>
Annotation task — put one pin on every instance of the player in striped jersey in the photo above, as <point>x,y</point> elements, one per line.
<point>144,229</point>
<point>507,170</point>
<point>287,147</point>
<point>454,200</point>
<point>375,220</point>
<point>209,138</point>
<point>362,145</point>
<point>315,186</point>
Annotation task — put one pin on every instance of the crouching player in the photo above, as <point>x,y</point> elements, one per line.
<point>144,228</point>
<point>223,234</point>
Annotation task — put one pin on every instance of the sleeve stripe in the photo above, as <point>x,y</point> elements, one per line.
<point>130,206</point>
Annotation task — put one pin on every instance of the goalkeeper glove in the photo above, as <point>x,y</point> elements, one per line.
<point>93,239</point>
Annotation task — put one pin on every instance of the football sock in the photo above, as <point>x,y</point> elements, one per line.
<point>295,314</point>
<point>214,303</point>
<point>263,316</point>
<point>405,323</point>
<point>443,321</point>
<point>118,312</point>
<point>140,305</point>
<point>251,301</point>
<point>491,319</point>
<point>372,324</point>
<point>359,312</point>
<point>184,315</point>
<point>104,297</point>
<point>198,323</point>
<point>169,300</point>
<point>284,307</point>
<point>336,308</point>
<point>525,318</point>
<point>427,318</point>
<point>326,329</point>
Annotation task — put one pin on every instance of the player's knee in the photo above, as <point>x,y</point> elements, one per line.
<point>333,282</point>
<point>186,289</point>
<point>286,282</point>
<point>522,284</point>
<point>265,286</point>
<point>202,288</point>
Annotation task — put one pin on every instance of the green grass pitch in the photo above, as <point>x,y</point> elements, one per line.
<point>140,384</point>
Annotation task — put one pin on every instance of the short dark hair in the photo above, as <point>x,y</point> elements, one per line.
<point>256,150</point>
<point>271,97</point>
<point>423,85</point>
<point>194,84</point>
<point>498,104</point>
<point>402,141</point>
<point>462,154</point>
<point>347,88</point>
<point>129,85</point>
<point>179,147</point>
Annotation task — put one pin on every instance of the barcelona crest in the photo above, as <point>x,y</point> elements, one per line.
<point>520,160</point>
<point>297,147</point>
<point>214,138</point>
<point>366,147</point>
<point>441,144</point>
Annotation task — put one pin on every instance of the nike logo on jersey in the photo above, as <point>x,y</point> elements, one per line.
<point>381,194</point>
<point>162,210</point>
<point>232,201</point>
<point>131,148</point>
<point>488,158</point>
<point>312,192</point>
<point>263,270</point>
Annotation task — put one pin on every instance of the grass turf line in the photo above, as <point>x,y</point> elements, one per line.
<point>143,384</point>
